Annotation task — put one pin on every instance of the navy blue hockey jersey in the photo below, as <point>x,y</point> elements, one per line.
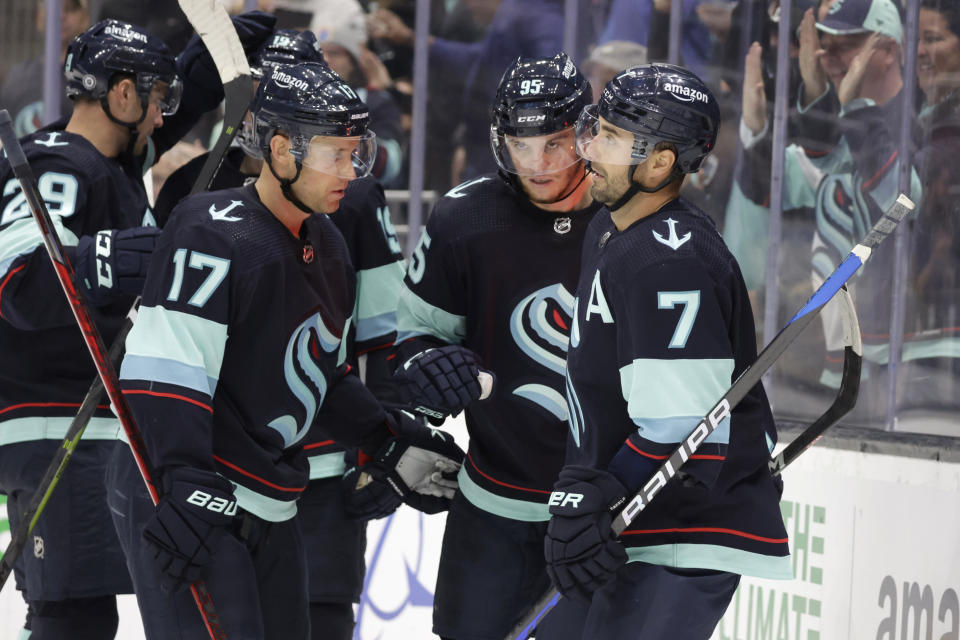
<point>662,327</point>
<point>238,344</point>
<point>364,221</point>
<point>45,368</point>
<point>496,274</point>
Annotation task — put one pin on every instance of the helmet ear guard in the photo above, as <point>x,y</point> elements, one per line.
<point>112,48</point>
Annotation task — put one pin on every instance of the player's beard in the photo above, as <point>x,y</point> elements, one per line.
<point>610,182</point>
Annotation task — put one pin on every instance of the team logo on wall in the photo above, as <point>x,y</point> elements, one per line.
<point>540,326</point>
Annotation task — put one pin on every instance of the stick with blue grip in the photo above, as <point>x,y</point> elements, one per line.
<point>740,388</point>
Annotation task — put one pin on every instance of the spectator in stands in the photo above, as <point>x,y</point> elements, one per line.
<point>610,58</point>
<point>341,30</point>
<point>22,90</point>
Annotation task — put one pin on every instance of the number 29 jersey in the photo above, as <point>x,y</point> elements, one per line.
<point>45,368</point>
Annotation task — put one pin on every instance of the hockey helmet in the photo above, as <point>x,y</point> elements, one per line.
<point>314,107</point>
<point>111,47</point>
<point>286,46</point>
<point>537,97</point>
<point>656,103</point>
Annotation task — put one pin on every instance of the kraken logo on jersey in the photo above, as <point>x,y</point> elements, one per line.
<point>303,374</point>
<point>540,325</point>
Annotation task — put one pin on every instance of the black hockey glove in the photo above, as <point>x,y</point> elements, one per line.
<point>191,518</point>
<point>580,548</point>
<point>365,497</point>
<point>443,379</point>
<point>419,463</point>
<point>196,66</point>
<point>114,263</point>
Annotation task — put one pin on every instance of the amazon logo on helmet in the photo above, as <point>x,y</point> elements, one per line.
<point>286,81</point>
<point>663,102</point>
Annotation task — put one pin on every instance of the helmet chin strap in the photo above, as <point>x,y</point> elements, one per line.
<point>130,126</point>
<point>286,185</point>
<point>635,188</point>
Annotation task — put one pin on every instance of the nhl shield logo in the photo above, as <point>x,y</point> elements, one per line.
<point>562,225</point>
<point>38,547</point>
<point>307,255</point>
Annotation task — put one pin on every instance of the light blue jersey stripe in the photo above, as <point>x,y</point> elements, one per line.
<point>716,557</point>
<point>378,289</point>
<point>167,371</point>
<point>327,465</point>
<point>673,430</point>
<point>23,236</point>
<point>417,317</point>
<point>194,343</point>
<point>663,396</point>
<point>269,509</point>
<point>38,428</point>
<point>376,326</point>
<point>498,505</point>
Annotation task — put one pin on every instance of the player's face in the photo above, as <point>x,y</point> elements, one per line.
<point>327,169</point>
<point>609,149</point>
<point>547,166</point>
<point>154,118</point>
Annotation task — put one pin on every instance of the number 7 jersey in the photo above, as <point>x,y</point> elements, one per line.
<point>662,327</point>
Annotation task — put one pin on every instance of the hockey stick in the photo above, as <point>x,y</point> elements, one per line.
<point>212,23</point>
<point>91,336</point>
<point>58,465</point>
<point>219,36</point>
<point>846,396</point>
<point>740,388</point>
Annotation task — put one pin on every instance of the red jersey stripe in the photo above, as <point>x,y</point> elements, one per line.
<point>257,478</point>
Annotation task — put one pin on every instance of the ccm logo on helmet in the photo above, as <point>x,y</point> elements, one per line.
<point>286,81</point>
<point>686,94</point>
<point>124,33</point>
<point>530,119</point>
<point>562,499</point>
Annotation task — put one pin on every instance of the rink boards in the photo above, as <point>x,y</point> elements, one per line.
<point>875,546</point>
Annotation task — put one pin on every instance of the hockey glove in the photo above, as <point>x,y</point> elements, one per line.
<point>580,548</point>
<point>365,497</point>
<point>202,82</point>
<point>114,263</point>
<point>191,518</point>
<point>443,379</point>
<point>420,463</point>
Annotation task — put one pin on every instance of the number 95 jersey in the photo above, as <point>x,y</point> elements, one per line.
<point>237,343</point>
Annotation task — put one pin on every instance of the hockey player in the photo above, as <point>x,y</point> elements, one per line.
<point>123,83</point>
<point>235,352</point>
<point>662,326</point>
<point>490,284</point>
<point>334,540</point>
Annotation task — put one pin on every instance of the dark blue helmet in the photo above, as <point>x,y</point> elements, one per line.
<point>536,97</point>
<point>112,47</point>
<point>286,46</point>
<point>307,100</point>
<point>658,103</point>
